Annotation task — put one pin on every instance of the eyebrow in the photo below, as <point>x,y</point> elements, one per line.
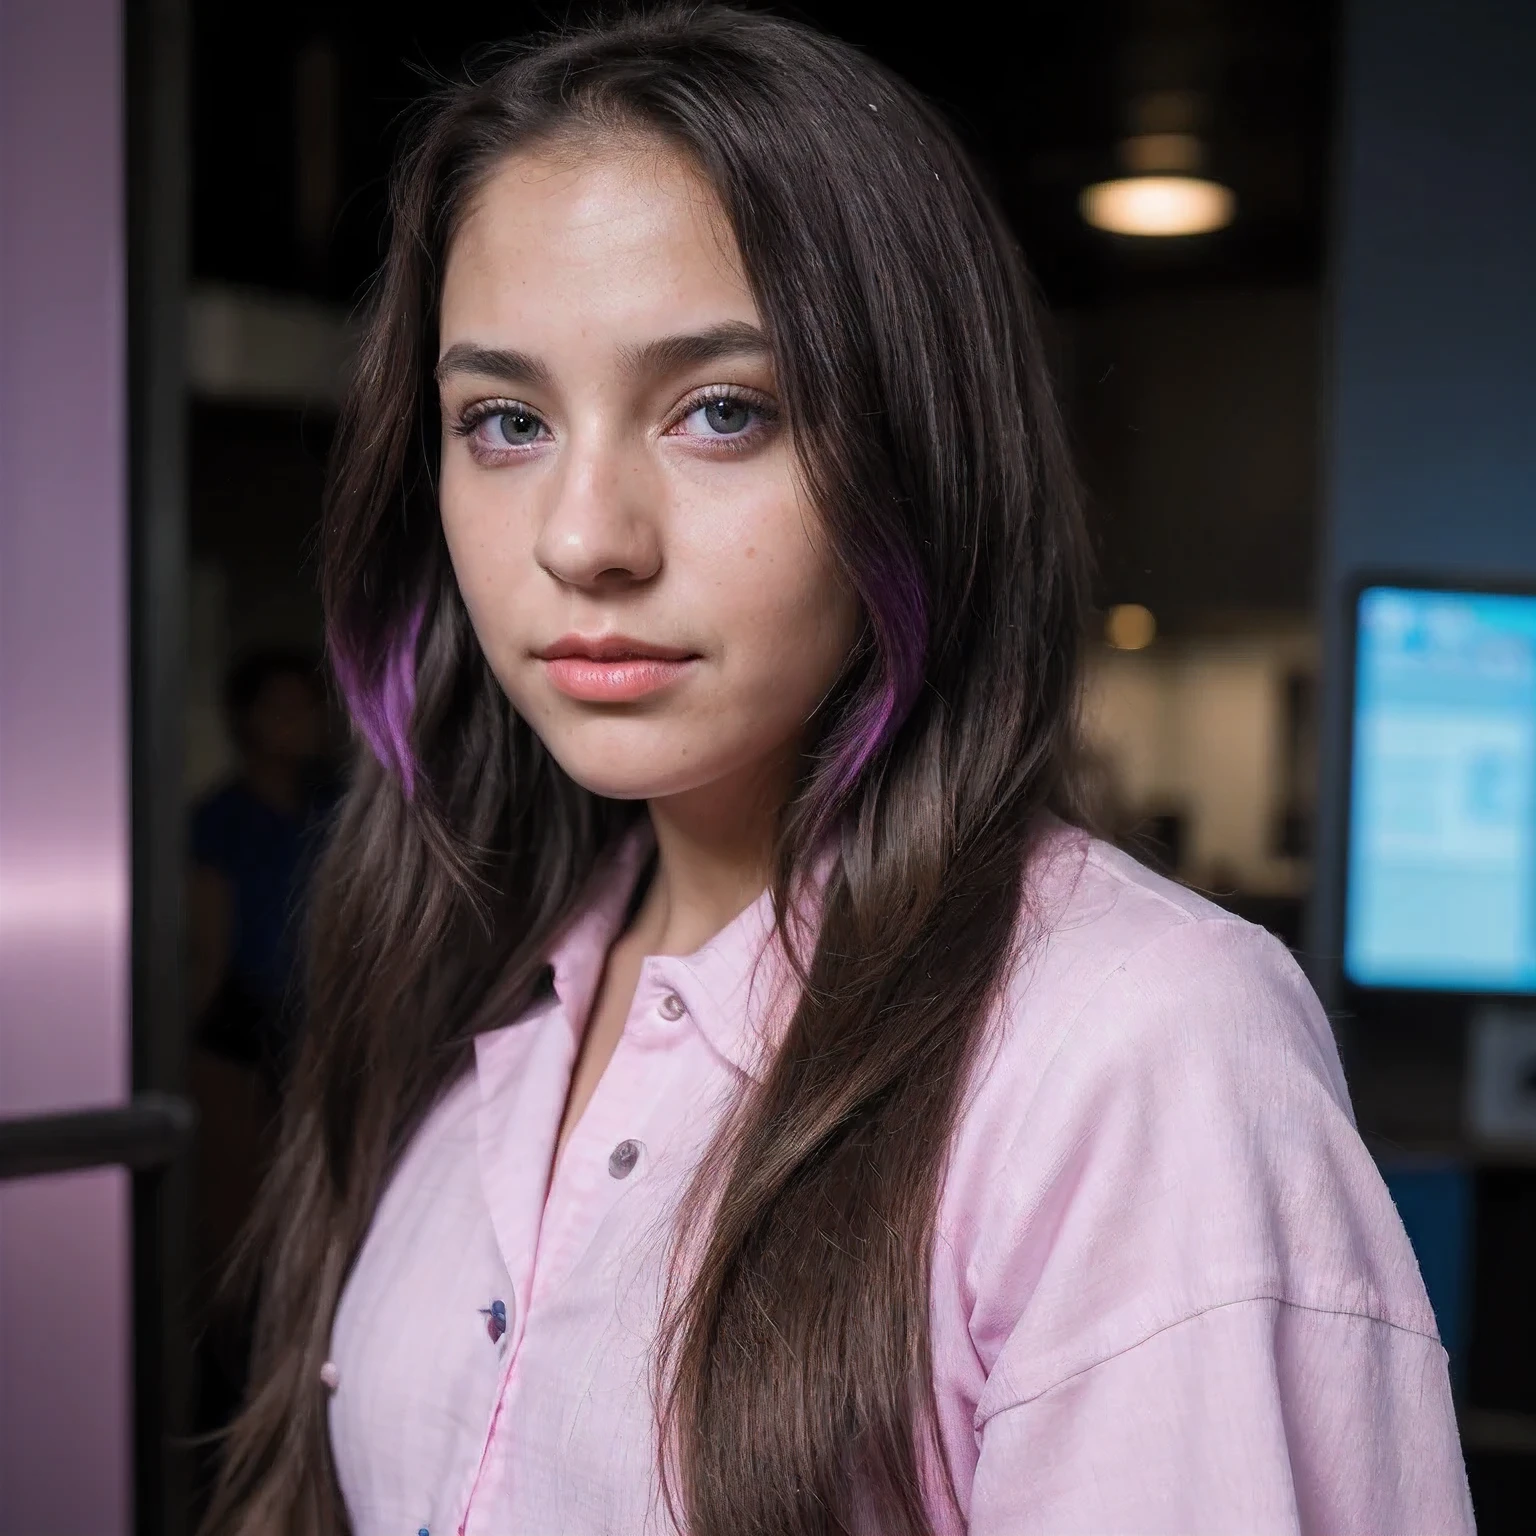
<point>671,354</point>
<point>500,363</point>
<point>665,355</point>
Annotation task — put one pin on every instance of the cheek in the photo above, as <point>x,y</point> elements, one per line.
<point>781,608</point>
<point>487,545</point>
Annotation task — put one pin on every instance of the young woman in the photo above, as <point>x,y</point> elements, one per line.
<point>736,1098</point>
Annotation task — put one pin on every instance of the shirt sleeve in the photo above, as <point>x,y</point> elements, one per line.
<point>1258,1417</point>
<point>1193,1301</point>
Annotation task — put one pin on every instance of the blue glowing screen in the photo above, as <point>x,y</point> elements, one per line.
<point>1442,834</point>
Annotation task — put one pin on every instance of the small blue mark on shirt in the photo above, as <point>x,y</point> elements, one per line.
<point>495,1317</point>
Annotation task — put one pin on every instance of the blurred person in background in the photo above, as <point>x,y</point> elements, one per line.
<point>253,841</point>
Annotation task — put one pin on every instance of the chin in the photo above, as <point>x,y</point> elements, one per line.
<point>651,756</point>
<point>631,780</point>
<point>623,765</point>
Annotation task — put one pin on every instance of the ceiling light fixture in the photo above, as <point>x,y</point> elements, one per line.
<point>1163,193</point>
<point>1158,206</point>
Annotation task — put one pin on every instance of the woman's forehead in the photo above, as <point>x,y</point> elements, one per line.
<point>620,242</point>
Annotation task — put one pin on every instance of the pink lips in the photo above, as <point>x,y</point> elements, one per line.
<point>612,669</point>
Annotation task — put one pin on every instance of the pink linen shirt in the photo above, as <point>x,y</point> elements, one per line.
<point>1170,1293</point>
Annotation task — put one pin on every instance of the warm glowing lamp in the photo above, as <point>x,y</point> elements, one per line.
<point>1130,627</point>
<point>1164,193</point>
<point>1158,205</point>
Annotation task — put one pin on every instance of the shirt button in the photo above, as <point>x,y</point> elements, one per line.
<point>671,1007</point>
<point>622,1160</point>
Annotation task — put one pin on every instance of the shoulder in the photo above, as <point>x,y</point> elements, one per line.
<point>1118,963</point>
<point>1158,1127</point>
<point>1089,905</point>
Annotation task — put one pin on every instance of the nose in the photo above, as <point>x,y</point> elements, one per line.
<point>600,527</point>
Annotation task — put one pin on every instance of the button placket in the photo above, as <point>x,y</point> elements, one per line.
<point>625,1156</point>
<point>574,1205</point>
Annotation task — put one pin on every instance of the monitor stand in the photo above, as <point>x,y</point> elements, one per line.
<point>1501,1073</point>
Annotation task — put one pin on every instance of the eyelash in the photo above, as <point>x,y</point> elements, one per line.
<point>473,416</point>
<point>766,413</point>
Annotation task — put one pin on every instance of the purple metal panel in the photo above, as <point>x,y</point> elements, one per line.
<point>64,836</point>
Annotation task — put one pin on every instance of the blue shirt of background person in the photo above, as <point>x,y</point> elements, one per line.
<point>253,844</point>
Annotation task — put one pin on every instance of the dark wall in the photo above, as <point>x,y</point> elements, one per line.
<point>1430,441</point>
<point>1194,417</point>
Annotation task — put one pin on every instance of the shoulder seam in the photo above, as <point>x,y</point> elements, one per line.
<point>1096,857</point>
<point>1189,1317</point>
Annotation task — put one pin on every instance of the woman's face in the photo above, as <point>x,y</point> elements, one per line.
<point>618,489</point>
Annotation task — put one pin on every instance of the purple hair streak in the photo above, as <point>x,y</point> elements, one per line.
<point>379,687</point>
<point>898,611</point>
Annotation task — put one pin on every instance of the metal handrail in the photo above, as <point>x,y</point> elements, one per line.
<point>143,1135</point>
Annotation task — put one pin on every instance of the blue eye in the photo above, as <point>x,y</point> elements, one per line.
<point>723,416</point>
<point>728,417</point>
<point>513,429</point>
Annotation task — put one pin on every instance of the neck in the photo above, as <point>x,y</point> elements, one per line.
<point>714,853</point>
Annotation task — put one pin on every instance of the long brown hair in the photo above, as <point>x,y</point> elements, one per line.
<point>794,1361</point>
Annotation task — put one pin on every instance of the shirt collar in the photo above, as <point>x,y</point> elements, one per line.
<point>578,955</point>
<point>739,988</point>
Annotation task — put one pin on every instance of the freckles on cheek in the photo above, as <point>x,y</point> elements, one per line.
<point>482,537</point>
<point>487,577</point>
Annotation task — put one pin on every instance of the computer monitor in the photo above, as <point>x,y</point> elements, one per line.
<point>1440,891</point>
